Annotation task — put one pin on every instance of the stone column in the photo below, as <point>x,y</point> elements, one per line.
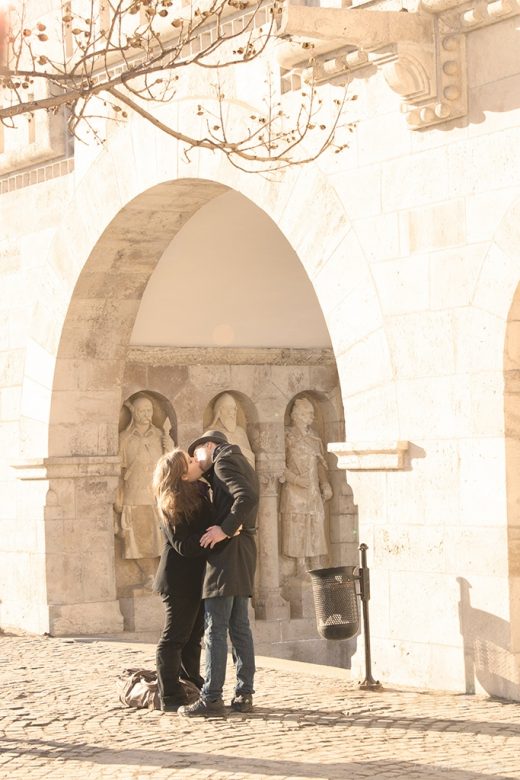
<point>76,536</point>
<point>269,604</point>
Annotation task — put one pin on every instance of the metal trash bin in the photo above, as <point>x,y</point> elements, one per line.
<point>336,601</point>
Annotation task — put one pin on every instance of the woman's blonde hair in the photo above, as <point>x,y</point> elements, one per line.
<point>176,498</point>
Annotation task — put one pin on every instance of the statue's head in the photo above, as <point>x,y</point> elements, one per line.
<point>302,412</point>
<point>225,411</point>
<point>142,410</point>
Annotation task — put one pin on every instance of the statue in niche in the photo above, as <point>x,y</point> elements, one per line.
<point>141,444</point>
<point>225,419</point>
<point>306,488</point>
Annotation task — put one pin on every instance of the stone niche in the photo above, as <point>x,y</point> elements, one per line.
<point>135,568</point>
<point>194,388</point>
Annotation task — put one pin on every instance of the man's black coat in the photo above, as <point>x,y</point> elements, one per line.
<point>231,564</point>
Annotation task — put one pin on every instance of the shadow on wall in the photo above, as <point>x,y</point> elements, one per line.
<point>486,641</point>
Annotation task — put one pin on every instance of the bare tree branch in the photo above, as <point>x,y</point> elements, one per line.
<point>135,53</point>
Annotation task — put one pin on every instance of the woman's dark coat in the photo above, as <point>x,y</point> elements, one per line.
<point>183,560</point>
<point>231,564</point>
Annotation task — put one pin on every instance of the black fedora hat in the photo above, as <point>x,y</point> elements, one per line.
<point>217,436</point>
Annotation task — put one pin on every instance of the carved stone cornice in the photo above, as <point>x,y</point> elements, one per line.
<point>370,456</point>
<point>235,356</point>
<point>422,54</point>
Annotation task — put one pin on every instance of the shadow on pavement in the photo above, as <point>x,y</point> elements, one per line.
<point>164,759</point>
<point>374,719</point>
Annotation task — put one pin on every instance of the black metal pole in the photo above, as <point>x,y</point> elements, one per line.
<point>364,585</point>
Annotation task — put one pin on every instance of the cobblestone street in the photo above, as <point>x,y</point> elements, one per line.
<point>60,718</point>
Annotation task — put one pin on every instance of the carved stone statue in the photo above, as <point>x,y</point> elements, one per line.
<point>306,487</point>
<point>141,444</point>
<point>225,414</point>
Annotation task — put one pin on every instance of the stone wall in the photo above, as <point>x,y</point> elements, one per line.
<point>30,294</point>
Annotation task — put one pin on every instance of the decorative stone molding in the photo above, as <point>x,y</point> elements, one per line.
<point>422,54</point>
<point>269,483</point>
<point>36,175</point>
<point>68,467</point>
<point>270,469</point>
<point>370,456</point>
<point>230,356</point>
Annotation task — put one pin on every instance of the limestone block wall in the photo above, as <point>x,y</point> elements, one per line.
<point>435,214</point>
<point>31,297</point>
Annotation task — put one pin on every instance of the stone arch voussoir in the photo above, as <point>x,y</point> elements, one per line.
<point>117,245</point>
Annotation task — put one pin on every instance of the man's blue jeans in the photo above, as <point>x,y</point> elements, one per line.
<point>223,614</point>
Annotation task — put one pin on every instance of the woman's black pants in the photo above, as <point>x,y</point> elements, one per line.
<point>179,648</point>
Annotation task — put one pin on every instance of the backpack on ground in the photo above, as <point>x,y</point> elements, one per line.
<point>139,688</point>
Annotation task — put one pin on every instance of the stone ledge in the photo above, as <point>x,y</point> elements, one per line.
<point>68,467</point>
<point>234,356</point>
<point>101,617</point>
<point>36,175</point>
<point>370,456</point>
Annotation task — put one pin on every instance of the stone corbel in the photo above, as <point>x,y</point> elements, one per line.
<point>371,456</point>
<point>422,54</point>
<point>440,85</point>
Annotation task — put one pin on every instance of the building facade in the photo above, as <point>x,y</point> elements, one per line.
<point>381,283</point>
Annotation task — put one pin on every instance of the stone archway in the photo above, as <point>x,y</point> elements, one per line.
<point>102,312</point>
<point>499,672</point>
<point>104,254</point>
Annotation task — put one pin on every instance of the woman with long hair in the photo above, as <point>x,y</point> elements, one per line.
<point>185,510</point>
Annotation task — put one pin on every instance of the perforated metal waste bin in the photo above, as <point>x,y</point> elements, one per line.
<point>336,601</point>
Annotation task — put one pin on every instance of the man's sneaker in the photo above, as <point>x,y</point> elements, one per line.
<point>203,708</point>
<point>242,702</point>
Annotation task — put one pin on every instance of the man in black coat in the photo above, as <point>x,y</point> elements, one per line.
<point>230,570</point>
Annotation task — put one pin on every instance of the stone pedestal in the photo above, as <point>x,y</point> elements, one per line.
<point>102,617</point>
<point>75,531</point>
<point>143,611</point>
<point>298,639</point>
<point>298,592</point>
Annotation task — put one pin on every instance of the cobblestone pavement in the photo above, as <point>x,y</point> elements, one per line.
<point>60,718</point>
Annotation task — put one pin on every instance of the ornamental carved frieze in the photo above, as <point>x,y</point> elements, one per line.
<point>421,53</point>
